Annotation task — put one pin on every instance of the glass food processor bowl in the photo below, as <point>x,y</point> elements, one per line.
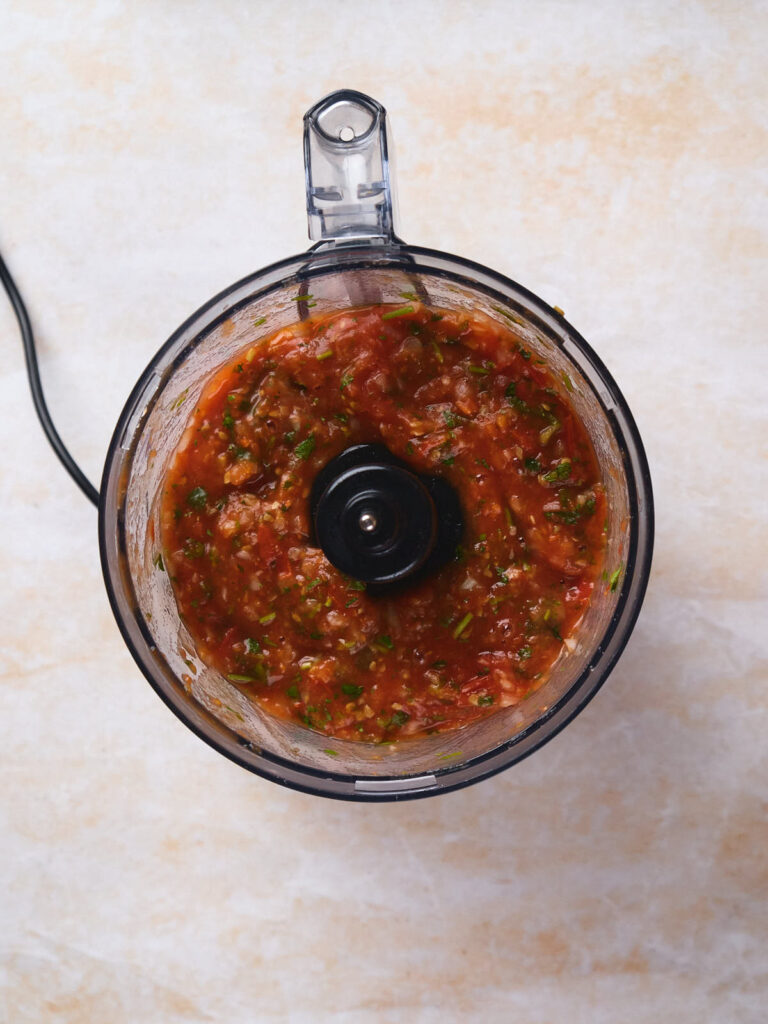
<point>358,260</point>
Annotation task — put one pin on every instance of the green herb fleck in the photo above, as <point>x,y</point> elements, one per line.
<point>514,400</point>
<point>462,625</point>
<point>355,585</point>
<point>399,718</point>
<point>615,577</point>
<point>305,448</point>
<point>533,465</point>
<point>157,561</point>
<point>346,380</point>
<point>351,690</point>
<point>330,752</point>
<point>197,498</point>
<point>178,402</point>
<point>252,646</point>
<point>385,641</point>
<point>403,311</point>
<point>524,653</point>
<point>485,700</point>
<point>293,692</point>
<point>561,471</point>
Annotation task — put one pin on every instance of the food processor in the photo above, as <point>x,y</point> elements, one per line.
<point>358,260</point>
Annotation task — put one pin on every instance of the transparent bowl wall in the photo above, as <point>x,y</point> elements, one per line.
<point>152,424</point>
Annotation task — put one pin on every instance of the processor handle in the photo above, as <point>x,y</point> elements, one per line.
<point>347,171</point>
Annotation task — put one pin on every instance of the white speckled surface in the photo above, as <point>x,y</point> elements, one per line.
<point>612,157</point>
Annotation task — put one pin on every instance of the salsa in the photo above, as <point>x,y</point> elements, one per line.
<point>449,394</point>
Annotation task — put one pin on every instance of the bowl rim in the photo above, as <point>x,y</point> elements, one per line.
<point>381,788</point>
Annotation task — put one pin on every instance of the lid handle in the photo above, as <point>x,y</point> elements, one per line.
<point>346,165</point>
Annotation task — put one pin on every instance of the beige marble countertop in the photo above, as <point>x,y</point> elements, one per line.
<point>613,157</point>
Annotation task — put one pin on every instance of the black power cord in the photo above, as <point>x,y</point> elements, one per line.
<point>36,387</point>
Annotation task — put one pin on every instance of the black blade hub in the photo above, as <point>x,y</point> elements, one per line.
<point>379,521</point>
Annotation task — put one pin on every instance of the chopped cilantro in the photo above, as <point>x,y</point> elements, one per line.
<point>351,690</point>
<point>514,400</point>
<point>399,718</point>
<point>355,585</point>
<point>561,471</point>
<point>533,465</point>
<point>293,692</point>
<point>485,700</point>
<point>524,653</point>
<point>252,646</point>
<point>346,380</point>
<point>305,448</point>
<point>385,641</point>
<point>197,498</point>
